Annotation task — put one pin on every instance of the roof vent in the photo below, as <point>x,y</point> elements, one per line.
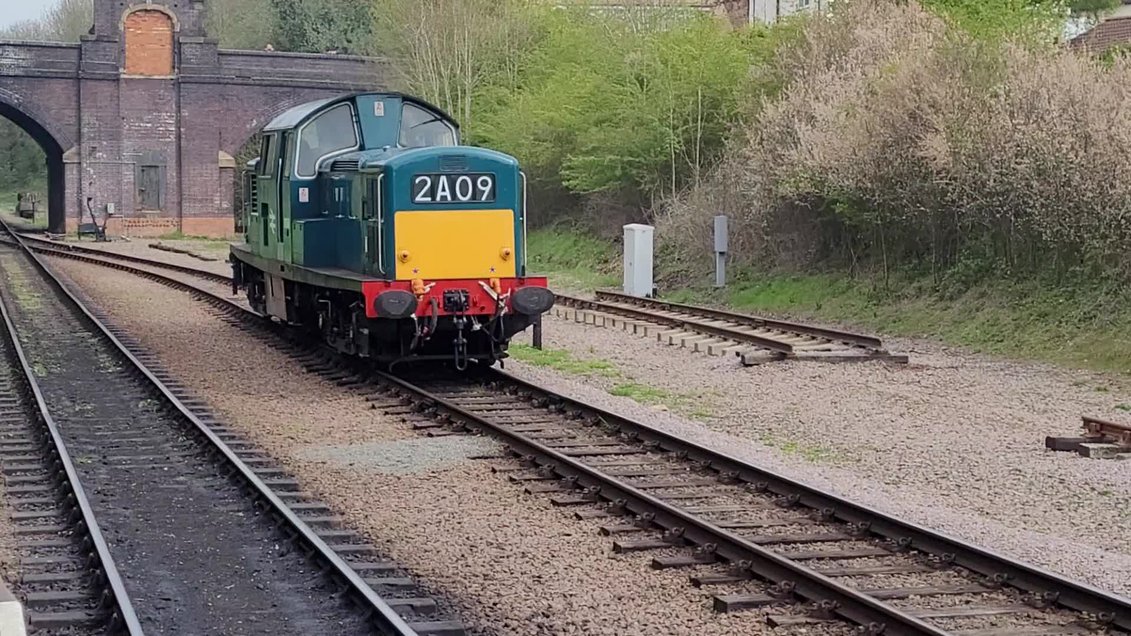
<point>345,165</point>
<point>453,163</point>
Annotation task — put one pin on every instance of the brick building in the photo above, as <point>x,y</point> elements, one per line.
<point>1112,31</point>
<point>146,113</point>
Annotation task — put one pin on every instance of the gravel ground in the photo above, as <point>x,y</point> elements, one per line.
<point>896,438</point>
<point>953,441</point>
<point>512,563</point>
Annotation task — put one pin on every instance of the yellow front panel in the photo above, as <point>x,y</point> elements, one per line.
<point>456,244</point>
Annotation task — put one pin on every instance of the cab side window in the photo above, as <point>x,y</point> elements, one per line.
<point>331,132</point>
<point>421,128</point>
<point>268,155</point>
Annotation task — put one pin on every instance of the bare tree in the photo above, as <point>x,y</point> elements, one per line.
<point>64,22</point>
<point>447,49</point>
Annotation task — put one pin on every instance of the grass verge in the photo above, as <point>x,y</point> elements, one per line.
<point>1082,326</point>
<point>695,406</point>
<point>178,235</point>
<point>1078,325</point>
<point>572,259</point>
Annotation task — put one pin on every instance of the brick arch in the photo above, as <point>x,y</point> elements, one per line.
<point>149,34</point>
<point>27,115</point>
<point>248,128</point>
<point>54,141</point>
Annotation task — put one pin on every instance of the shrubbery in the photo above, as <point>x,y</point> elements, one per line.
<point>958,140</point>
<point>900,141</point>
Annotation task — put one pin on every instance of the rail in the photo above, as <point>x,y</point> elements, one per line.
<point>1111,610</point>
<point>745,319</point>
<point>382,615</point>
<point>781,338</point>
<point>122,615</point>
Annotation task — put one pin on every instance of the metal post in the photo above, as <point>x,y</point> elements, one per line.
<point>720,251</point>
<point>536,332</point>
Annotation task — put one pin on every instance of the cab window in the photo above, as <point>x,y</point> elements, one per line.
<point>331,132</point>
<point>268,156</point>
<point>421,128</point>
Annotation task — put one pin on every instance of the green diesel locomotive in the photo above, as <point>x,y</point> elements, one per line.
<point>367,222</point>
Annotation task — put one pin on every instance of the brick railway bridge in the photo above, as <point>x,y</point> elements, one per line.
<point>147,113</point>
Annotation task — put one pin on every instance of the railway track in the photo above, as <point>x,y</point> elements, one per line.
<point>68,579</point>
<point>202,524</point>
<point>718,332</point>
<point>760,539</point>
<point>753,339</point>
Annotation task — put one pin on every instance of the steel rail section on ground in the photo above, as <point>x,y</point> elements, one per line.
<point>1102,427</point>
<point>123,619</point>
<point>1110,609</point>
<point>689,324</point>
<point>870,342</point>
<point>384,617</point>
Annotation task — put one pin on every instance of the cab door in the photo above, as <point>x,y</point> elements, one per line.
<point>373,220</point>
<point>281,219</point>
<point>270,168</point>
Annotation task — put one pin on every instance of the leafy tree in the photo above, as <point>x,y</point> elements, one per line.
<point>242,24</point>
<point>457,53</point>
<point>323,25</point>
<point>634,105</point>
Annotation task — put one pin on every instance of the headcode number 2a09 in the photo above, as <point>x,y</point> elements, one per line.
<point>453,188</point>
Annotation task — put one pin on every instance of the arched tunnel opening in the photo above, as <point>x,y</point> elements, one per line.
<point>50,173</point>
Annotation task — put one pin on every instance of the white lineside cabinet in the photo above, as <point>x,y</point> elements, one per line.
<point>638,260</point>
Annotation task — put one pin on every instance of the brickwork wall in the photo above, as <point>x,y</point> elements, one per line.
<point>148,112</point>
<point>149,43</point>
<point>103,168</point>
<point>227,204</point>
<point>108,105</point>
<point>151,226</point>
<point>200,154</point>
<point>215,226</point>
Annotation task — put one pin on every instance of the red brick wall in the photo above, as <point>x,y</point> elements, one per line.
<point>149,43</point>
<point>148,227</point>
<point>212,226</point>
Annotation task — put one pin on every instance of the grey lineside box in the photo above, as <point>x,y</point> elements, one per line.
<point>638,260</point>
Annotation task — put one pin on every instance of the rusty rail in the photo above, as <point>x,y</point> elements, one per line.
<point>781,338</point>
<point>1102,439</point>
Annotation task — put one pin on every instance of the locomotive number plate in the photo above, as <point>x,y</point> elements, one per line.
<point>453,188</point>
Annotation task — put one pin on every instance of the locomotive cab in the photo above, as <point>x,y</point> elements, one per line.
<point>368,222</point>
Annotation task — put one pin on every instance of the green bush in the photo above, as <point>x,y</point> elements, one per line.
<point>620,111</point>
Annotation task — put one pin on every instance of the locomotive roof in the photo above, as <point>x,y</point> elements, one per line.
<point>294,116</point>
